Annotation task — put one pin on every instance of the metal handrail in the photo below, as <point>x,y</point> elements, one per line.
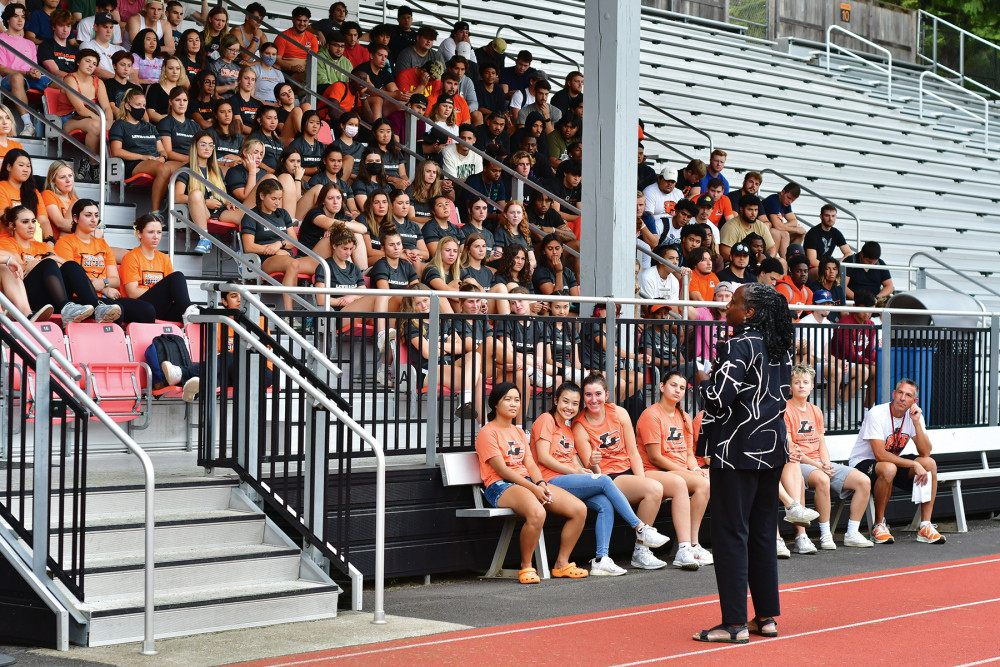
<point>69,376</point>
<point>963,33</point>
<point>685,278</point>
<point>329,405</point>
<point>711,144</point>
<point>964,79</point>
<point>535,41</point>
<point>951,268</point>
<point>857,220</point>
<point>172,215</point>
<point>846,51</point>
<point>103,141</point>
<point>986,105</point>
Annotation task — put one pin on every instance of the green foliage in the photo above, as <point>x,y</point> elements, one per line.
<point>977,16</point>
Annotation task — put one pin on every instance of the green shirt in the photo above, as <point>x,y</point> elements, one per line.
<point>327,75</point>
<point>84,7</point>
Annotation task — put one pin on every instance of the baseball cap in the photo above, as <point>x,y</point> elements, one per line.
<point>499,45</point>
<point>822,296</point>
<point>434,136</point>
<point>656,307</point>
<point>705,200</point>
<point>724,287</point>
<point>417,98</point>
<point>434,68</point>
<point>794,249</point>
<point>463,49</point>
<point>103,17</point>
<point>460,25</point>
<point>668,174</point>
<point>740,249</point>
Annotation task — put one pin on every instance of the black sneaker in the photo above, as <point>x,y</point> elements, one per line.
<point>467,411</point>
<point>83,170</point>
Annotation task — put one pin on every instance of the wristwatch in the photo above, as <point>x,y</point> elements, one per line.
<point>107,283</point>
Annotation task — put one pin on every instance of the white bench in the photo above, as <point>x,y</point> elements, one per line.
<point>462,469</point>
<point>979,439</point>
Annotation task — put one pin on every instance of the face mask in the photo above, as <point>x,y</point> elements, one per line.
<point>136,113</point>
<point>269,60</point>
<point>375,168</point>
<point>350,131</point>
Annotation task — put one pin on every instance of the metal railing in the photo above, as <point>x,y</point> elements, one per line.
<point>984,119</point>
<point>307,508</point>
<point>788,179</point>
<point>711,144</point>
<point>66,378</point>
<point>57,82</point>
<point>933,59</point>
<point>951,268</point>
<point>174,216</point>
<point>848,52</point>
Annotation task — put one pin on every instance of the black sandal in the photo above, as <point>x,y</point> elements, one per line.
<point>733,630</point>
<point>760,623</point>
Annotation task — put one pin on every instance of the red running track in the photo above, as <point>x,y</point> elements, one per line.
<point>941,614</point>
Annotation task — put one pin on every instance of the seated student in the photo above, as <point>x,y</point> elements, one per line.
<point>646,233</point>
<point>189,52</point>
<point>554,447</point>
<point>6,127</point>
<point>98,261</point>
<point>17,186</point>
<point>513,268</point>
<point>327,74</point>
<point>343,245</point>
<point>148,275</point>
<point>707,336</point>
<point>264,130</point>
<point>685,211</point>
<point>45,274</point>
<point>459,159</point>
<point>444,272</point>
<point>478,209</point>
<point>138,143</point>
<point>490,94</point>
<point>189,377</point>
<point>594,351</point>
<point>440,224</point>
<point>828,279</point>
<point>392,271</point>
<point>566,186</point>
<point>524,336</point>
<point>216,26</point>
<point>78,116</point>
<point>566,131</point>
<point>57,54</point>
<point>147,60</point>
<point>824,238</point>
<point>150,18</point>
<point>664,350</point>
<point>328,214</point>
<point>702,282</point>
<point>204,204</point>
<point>561,342</point>
<point>512,228</point>
<point>226,67</point>
<point>414,248</point>
<point>512,480</point>
<point>348,125</point>
<point>332,164</point>
<point>659,281</point>
<point>158,94</point>
<point>426,186</point>
<point>489,184</point>
<point>398,119</point>
<point>605,442</point>
<point>874,280</point>
<point>493,133</point>
<point>18,77</point>
<point>804,423</point>
<point>275,257</point>
<point>442,113</point>
<point>120,83</point>
<point>479,329</point>
<point>308,144</point>
<point>777,211</point>
<point>793,286</point>
<point>812,346</point>
<point>551,275</point>
<point>459,364</point>
<point>104,28</point>
<point>665,440</point>
<point>375,217</point>
<point>245,104</point>
<point>249,34</point>
<point>290,174</point>
<point>858,347</point>
<point>58,196</point>
<point>474,253</point>
<point>228,140</point>
<point>176,129</point>
<point>371,177</point>
<point>203,100</point>
<point>291,112</point>
<point>770,271</point>
<point>738,270</point>
<point>268,76</point>
<point>242,180</point>
<point>743,225</point>
<point>752,181</point>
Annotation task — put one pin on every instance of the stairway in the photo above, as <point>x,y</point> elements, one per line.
<point>220,564</point>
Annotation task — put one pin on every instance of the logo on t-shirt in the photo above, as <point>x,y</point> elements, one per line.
<point>514,450</point>
<point>676,434</point>
<point>150,278</point>
<point>806,427</point>
<point>896,442</point>
<point>610,441</point>
<point>566,445</point>
<point>95,263</point>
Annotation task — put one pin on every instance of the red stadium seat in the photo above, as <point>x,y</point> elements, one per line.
<point>50,100</point>
<point>113,380</point>
<point>193,332</point>
<point>141,336</point>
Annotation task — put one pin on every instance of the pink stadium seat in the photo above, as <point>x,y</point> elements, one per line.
<point>193,332</point>
<point>51,97</point>
<point>141,337</point>
<point>114,381</point>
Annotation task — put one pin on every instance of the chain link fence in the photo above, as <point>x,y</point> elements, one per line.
<point>752,14</point>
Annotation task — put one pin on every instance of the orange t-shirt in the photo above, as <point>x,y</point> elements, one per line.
<point>288,50</point>
<point>673,434</point>
<point>804,428</point>
<point>95,257</point>
<point>50,198</point>
<point>341,93</point>
<point>794,295</point>
<point>462,113</point>
<point>510,443</point>
<point>722,210</point>
<point>562,445</point>
<point>36,250</point>
<point>609,438</point>
<point>705,285</point>
<point>11,196</point>
<point>10,145</point>
<point>409,80</point>
<point>138,269</point>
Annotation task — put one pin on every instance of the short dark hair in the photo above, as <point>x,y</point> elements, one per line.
<point>8,12</point>
<point>827,207</point>
<point>746,200</point>
<point>381,29</point>
<point>267,45</point>
<point>863,299</point>
<point>686,205</point>
<point>404,11</point>
<point>255,7</point>
<point>525,55</point>
<point>373,48</point>
<point>301,11</point>
<point>427,32</point>
<point>770,265</point>
<point>543,84</point>
<point>571,167</point>
<point>347,25</point>
<point>792,188</point>
<point>466,127</point>
<point>337,37</point>
<point>691,230</point>
<point>448,75</point>
<point>714,183</point>
<point>870,250</point>
<point>795,260</point>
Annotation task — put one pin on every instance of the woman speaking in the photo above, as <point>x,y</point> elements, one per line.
<point>743,436</point>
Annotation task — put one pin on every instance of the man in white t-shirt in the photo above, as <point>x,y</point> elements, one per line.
<point>878,452</point>
<point>459,161</point>
<point>662,195</point>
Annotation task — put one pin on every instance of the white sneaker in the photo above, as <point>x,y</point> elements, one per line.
<point>605,568</point>
<point>856,539</point>
<point>783,551</point>
<point>803,545</point>
<point>171,373</point>
<point>191,389</point>
<point>685,560</point>
<point>385,337</point>
<point>703,555</point>
<point>75,312</point>
<point>28,130</point>
<point>799,515</point>
<point>651,537</point>
<point>826,542</point>
<point>107,312</point>
<point>380,375</point>
<point>189,312</point>
<point>644,559</point>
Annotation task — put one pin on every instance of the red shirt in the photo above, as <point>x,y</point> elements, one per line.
<point>357,54</point>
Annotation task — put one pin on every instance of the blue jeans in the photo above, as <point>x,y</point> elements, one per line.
<point>602,495</point>
<point>38,84</point>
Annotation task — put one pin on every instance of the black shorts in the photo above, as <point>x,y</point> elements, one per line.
<point>903,480</point>
<point>130,166</point>
<point>616,475</point>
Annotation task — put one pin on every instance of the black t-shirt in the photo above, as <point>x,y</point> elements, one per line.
<point>572,195</point>
<point>116,91</point>
<point>417,331</point>
<point>401,40</point>
<point>322,178</point>
<point>354,150</point>
<point>867,281</point>
<point>561,100</point>
<point>591,338</point>
<point>157,99</point>
<point>64,56</point>
<point>180,133</point>
<point>420,209</point>
<point>432,273</point>
<point>237,177</point>
<point>312,155</point>
<point>726,275</point>
<point>261,234</point>
<point>378,80</point>
<point>483,275</point>
<point>663,345</point>
<point>551,218</point>
<point>349,276</point>
<point>494,101</point>
<point>190,67</point>
<point>369,189</point>
<point>478,329</point>
<point>138,138</point>
<point>484,139</point>
<point>226,145</point>
<point>185,178</point>
<point>245,110</point>
<point>543,274</point>
<point>272,147</point>
<point>433,232</point>
<point>504,238</point>
<point>822,241</point>
<point>561,342</point>
<point>469,229</point>
<point>399,278</point>
<point>310,233</point>
<point>523,336</point>
<point>204,108</point>
<point>410,233</point>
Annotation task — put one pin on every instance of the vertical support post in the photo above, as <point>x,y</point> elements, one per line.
<point>434,337</point>
<point>518,190</point>
<point>207,401</point>
<point>994,374</point>
<point>411,144</point>
<point>961,58</point>
<point>313,478</point>
<point>934,47</point>
<point>40,476</point>
<point>921,278</point>
<point>885,371</point>
<point>611,49</point>
<point>243,450</point>
<point>610,343</point>
<point>310,76</point>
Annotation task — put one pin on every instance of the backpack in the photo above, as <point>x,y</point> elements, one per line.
<point>166,347</point>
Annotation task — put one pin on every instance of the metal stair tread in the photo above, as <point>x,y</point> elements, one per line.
<point>113,606</point>
<point>186,556</point>
<point>137,520</point>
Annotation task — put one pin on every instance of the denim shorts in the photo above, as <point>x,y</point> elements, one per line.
<point>496,489</point>
<point>38,84</point>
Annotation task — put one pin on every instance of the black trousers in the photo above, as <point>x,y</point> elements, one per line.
<point>169,297</point>
<point>51,283</point>
<point>744,506</point>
